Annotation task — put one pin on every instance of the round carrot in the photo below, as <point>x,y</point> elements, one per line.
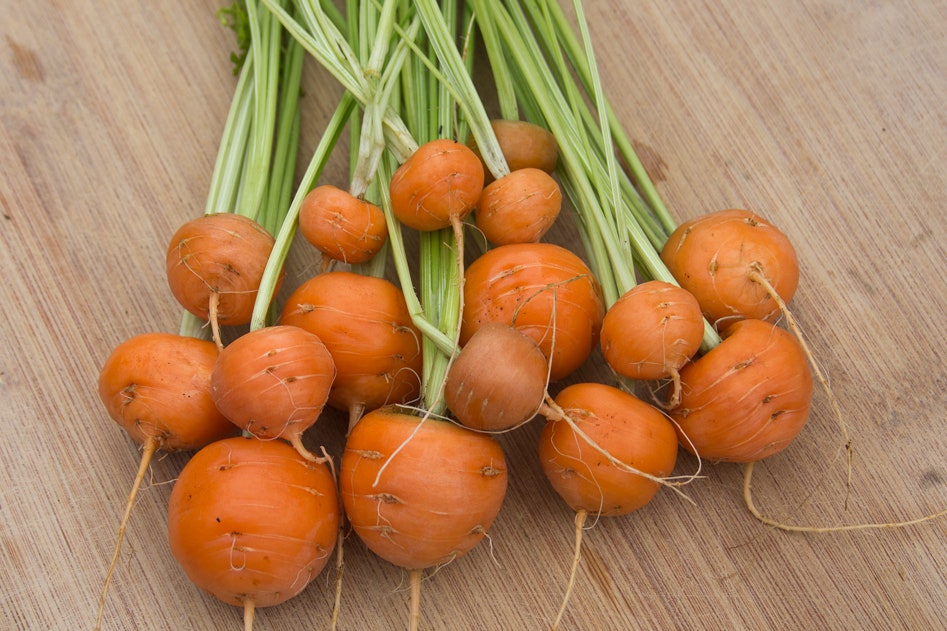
<point>365,324</point>
<point>626,429</point>
<point>519,207</point>
<point>524,145</point>
<point>438,184</point>
<point>420,493</point>
<point>729,260</point>
<point>215,264</point>
<point>652,331</point>
<point>748,397</point>
<point>491,395</point>
<point>252,522</point>
<point>543,290</point>
<point>273,382</point>
<point>342,226</point>
<point>606,453</point>
<point>157,387</point>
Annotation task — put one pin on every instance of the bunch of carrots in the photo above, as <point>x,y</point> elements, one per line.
<point>691,313</point>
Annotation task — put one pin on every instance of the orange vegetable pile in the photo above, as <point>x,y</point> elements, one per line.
<point>691,314</point>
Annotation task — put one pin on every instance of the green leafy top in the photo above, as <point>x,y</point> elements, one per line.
<point>236,17</point>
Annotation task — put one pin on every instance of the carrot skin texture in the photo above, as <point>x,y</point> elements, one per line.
<point>221,255</point>
<point>712,256</point>
<point>365,324</point>
<point>654,328</point>
<point>624,426</point>
<point>436,498</point>
<point>519,207</point>
<point>343,227</point>
<point>158,385</point>
<point>442,180</point>
<point>746,399</point>
<point>543,290</point>
<point>273,382</point>
<point>252,519</point>
<point>487,394</point>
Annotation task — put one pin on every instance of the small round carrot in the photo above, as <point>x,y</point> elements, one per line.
<point>157,387</point>
<point>651,332</point>
<point>420,493</point>
<point>439,184</point>
<point>519,207</point>
<point>365,324</point>
<point>606,453</point>
<point>524,145</point>
<point>273,382</point>
<point>625,429</point>
<point>543,290</point>
<point>488,393</point>
<point>215,264</point>
<point>343,227</point>
<point>252,522</point>
<point>733,261</point>
<point>746,399</point>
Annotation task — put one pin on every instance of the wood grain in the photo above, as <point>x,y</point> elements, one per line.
<point>826,116</point>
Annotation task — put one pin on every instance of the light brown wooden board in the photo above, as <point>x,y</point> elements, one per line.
<point>825,116</point>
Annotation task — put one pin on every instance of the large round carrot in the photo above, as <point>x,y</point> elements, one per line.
<point>437,185</point>
<point>491,395</point>
<point>732,261</point>
<point>252,522</point>
<point>614,426</point>
<point>157,387</point>
<point>365,324</point>
<point>520,207</point>
<point>747,398</point>
<point>652,331</point>
<point>342,226</point>
<point>215,264</point>
<point>273,382</point>
<point>420,493</point>
<point>543,290</point>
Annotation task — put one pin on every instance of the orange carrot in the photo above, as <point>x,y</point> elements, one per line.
<point>157,387</point>
<point>486,394</point>
<point>437,185</point>
<point>365,324</point>
<point>343,227</point>
<point>273,382</point>
<point>215,264</point>
<point>420,494</point>
<point>252,522</point>
<point>651,332</point>
<point>524,145</point>
<point>605,452</point>
<point>519,207</point>
<point>727,259</point>
<point>543,290</point>
<point>747,398</point>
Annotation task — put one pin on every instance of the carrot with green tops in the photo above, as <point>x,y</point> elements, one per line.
<point>519,207</point>
<point>342,226</point>
<point>215,264</point>
<point>651,332</point>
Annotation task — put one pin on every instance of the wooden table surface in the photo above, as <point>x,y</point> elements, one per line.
<point>826,116</point>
